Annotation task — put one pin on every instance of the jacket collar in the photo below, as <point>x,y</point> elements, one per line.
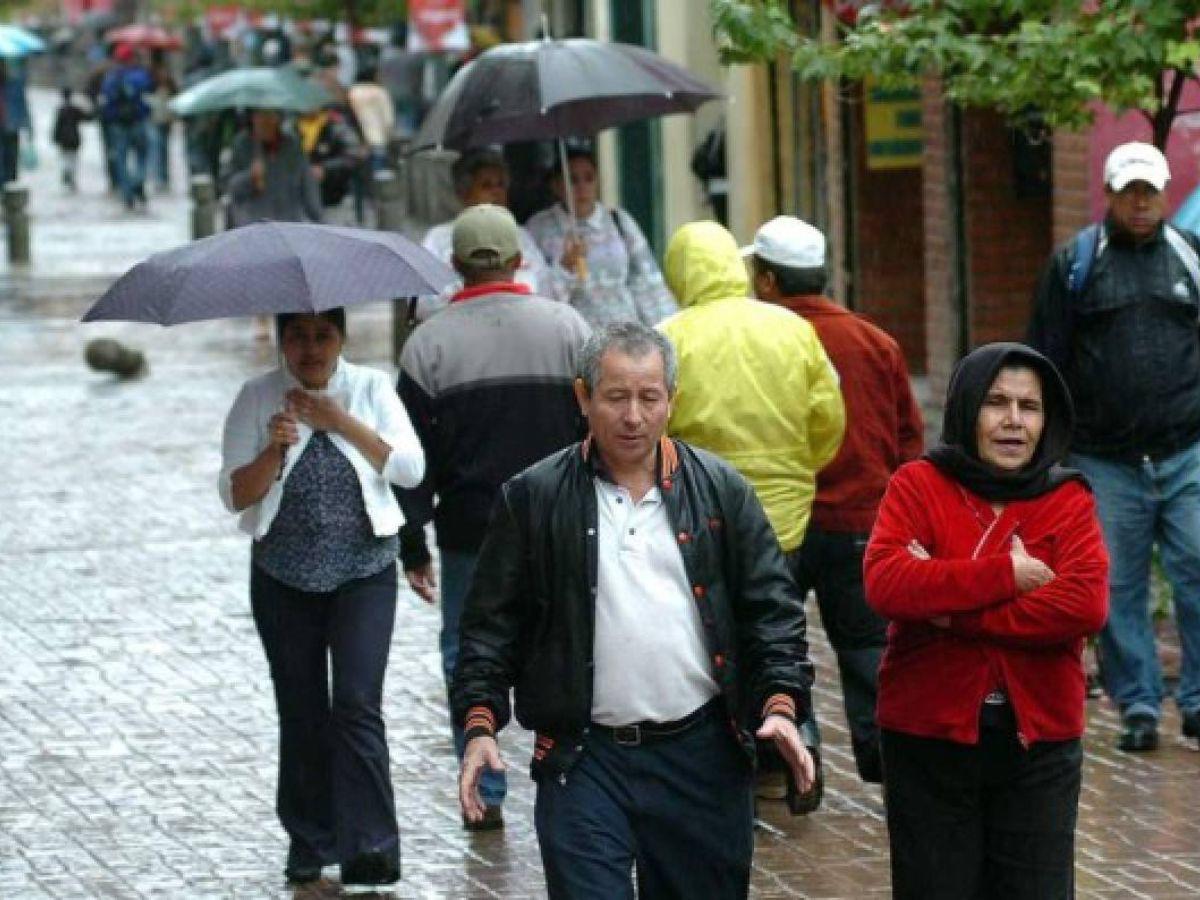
<point>491,287</point>
<point>667,460</point>
<point>811,304</point>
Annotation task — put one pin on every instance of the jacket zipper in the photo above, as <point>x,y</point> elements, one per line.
<point>1021,738</point>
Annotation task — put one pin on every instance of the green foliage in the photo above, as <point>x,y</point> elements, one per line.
<point>1056,55</point>
<point>365,12</point>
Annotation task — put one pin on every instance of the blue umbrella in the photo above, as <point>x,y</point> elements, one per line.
<point>16,42</point>
<point>268,268</point>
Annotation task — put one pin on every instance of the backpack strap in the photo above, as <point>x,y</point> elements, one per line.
<point>1089,244</point>
<point>1186,253</point>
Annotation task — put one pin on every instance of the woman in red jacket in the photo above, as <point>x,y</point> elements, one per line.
<point>987,559</point>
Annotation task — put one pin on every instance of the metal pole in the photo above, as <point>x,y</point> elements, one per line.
<point>16,218</point>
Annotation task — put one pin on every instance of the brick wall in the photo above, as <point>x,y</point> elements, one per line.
<point>1071,202</point>
<point>889,270</point>
<point>1007,238</point>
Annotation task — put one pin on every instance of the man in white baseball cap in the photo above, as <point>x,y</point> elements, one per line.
<point>883,430</point>
<point>1136,161</point>
<point>1116,311</point>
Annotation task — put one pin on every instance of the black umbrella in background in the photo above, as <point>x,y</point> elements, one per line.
<point>546,89</point>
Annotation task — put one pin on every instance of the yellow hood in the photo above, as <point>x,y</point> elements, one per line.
<point>703,264</point>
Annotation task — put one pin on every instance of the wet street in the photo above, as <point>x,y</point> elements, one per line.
<point>137,728</point>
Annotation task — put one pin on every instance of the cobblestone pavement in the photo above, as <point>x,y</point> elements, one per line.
<point>137,730</point>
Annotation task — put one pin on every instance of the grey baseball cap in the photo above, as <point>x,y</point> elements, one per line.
<point>485,234</point>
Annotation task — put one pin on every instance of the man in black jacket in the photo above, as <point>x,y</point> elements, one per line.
<point>1116,310</point>
<point>632,591</point>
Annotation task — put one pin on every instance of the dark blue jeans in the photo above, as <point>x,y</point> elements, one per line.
<point>334,797</point>
<point>986,821</point>
<point>680,810</point>
<point>131,175</point>
<point>831,564</point>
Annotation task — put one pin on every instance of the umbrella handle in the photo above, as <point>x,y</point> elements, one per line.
<point>569,202</point>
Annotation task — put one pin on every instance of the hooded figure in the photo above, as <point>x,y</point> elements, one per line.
<point>755,385</point>
<point>987,559</point>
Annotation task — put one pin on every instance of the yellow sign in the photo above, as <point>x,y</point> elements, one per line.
<point>895,138</point>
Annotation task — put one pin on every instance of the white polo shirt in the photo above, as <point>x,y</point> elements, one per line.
<point>651,661</point>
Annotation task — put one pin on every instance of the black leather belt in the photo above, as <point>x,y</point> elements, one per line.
<point>650,732</point>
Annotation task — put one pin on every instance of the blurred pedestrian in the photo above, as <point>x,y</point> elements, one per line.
<point>488,382</point>
<point>756,388</point>
<point>67,138</point>
<point>629,590</point>
<point>269,177</point>
<point>481,176</point>
<point>1116,310</point>
<point>310,452</point>
<point>102,64</point>
<point>126,114</point>
<point>987,559</point>
<point>883,430</point>
<point>602,260</point>
<point>376,114</point>
<point>161,121</point>
<point>14,118</point>
<point>335,154</point>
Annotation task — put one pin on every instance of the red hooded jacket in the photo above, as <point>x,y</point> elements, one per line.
<point>934,676</point>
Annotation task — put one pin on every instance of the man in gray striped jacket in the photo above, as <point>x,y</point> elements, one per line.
<point>488,385</point>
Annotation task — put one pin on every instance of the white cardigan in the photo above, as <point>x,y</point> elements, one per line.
<point>368,395</point>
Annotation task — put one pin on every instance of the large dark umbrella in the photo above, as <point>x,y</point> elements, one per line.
<point>554,89</point>
<point>271,267</point>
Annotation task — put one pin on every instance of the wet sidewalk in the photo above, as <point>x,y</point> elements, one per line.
<point>137,728</point>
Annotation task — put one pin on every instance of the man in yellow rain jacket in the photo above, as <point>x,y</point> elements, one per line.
<point>755,386</point>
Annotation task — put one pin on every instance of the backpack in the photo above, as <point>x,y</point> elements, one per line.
<point>126,105</point>
<point>1090,243</point>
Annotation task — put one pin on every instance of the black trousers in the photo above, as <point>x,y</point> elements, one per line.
<point>678,810</point>
<point>334,797</point>
<point>831,564</point>
<point>990,821</point>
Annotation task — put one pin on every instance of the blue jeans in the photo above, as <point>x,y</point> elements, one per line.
<point>457,570</point>
<point>128,139</point>
<point>334,796</point>
<point>679,810</point>
<point>1140,504</point>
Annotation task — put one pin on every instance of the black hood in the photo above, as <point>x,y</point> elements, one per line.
<point>957,454</point>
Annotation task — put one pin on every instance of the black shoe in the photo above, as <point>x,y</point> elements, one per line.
<point>302,874</point>
<point>801,803</point>
<point>1191,724</point>
<point>1140,734</point>
<point>371,868</point>
<point>493,820</point>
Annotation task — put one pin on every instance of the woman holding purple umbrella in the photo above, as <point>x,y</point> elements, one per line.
<point>310,453</point>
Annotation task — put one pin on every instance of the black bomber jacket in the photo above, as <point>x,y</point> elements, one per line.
<point>529,615</point>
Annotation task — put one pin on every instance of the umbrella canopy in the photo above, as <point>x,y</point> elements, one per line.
<point>152,37</point>
<point>16,42</point>
<point>260,87</point>
<point>271,267</point>
<point>552,89</point>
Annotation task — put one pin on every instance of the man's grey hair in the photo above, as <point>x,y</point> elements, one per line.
<point>632,339</point>
<point>465,168</point>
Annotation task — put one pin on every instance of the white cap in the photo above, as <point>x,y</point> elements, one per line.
<point>1136,161</point>
<point>788,241</point>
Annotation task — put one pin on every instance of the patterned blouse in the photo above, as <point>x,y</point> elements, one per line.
<point>623,280</point>
<point>321,537</point>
